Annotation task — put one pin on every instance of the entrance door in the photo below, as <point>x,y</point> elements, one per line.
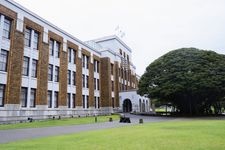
<point>127,105</point>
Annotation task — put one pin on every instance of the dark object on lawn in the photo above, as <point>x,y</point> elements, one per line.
<point>59,118</point>
<point>110,119</point>
<point>30,119</point>
<point>96,119</point>
<point>125,120</point>
<point>141,121</point>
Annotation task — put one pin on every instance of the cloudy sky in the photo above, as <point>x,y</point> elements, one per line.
<point>152,27</point>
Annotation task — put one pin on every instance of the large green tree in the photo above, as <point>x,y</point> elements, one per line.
<point>192,80</point>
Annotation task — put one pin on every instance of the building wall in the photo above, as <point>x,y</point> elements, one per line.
<point>31,86</point>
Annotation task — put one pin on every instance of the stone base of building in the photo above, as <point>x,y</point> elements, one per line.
<point>12,113</point>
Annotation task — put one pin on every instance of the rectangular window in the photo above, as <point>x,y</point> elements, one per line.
<point>112,86</point>
<point>98,102</point>
<point>112,69</point>
<point>74,101</point>
<point>83,96</point>
<point>2,95</point>
<point>68,100</point>
<point>35,41</point>
<point>98,84</point>
<point>49,99</point>
<point>69,77</point>
<point>95,102</point>
<point>6,28</point>
<point>56,97</point>
<point>87,81</point>
<point>25,66</point>
<point>83,80</point>
<point>113,105</point>
<point>50,72</point>
<point>87,62</point>
<point>69,54</point>
<point>74,78</point>
<point>27,37</point>
<point>51,47</point>
<point>87,101</point>
<point>57,49</point>
<point>83,60</point>
<point>56,74</point>
<point>23,97</point>
<point>74,56</point>
<point>32,97</point>
<point>3,60</point>
<point>95,83</point>
<point>97,66</point>
<point>34,68</point>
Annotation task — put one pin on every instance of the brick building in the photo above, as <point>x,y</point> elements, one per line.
<point>45,71</point>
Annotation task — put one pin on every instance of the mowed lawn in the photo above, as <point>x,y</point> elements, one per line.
<point>56,122</point>
<point>171,135</point>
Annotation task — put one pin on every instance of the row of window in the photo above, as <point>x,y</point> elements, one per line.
<point>96,66</point>
<point>71,77</point>
<point>71,101</point>
<point>96,84</point>
<point>3,60</point>
<point>24,97</point>
<point>25,69</point>
<point>50,73</point>
<point>85,81</point>
<point>54,48</point>
<point>6,27</point>
<point>2,94</point>
<point>85,61</point>
<point>29,35</point>
<point>72,56</point>
<point>53,102</point>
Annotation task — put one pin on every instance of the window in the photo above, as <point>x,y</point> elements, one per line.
<point>98,102</point>
<point>23,97</point>
<point>56,95</point>
<point>87,62</point>
<point>113,105</point>
<point>121,53</point>
<point>25,66</point>
<point>69,77</point>
<point>74,56</point>
<point>49,99</point>
<point>2,95</point>
<point>56,74</point>
<point>96,66</point>
<point>51,47</point>
<point>35,41</point>
<point>98,84</point>
<point>74,78</point>
<point>68,100</point>
<point>50,72</point>
<point>27,36</point>
<point>95,102</point>
<point>74,101</point>
<point>83,60</point>
<point>6,28</point>
<point>83,96</point>
<point>112,69</point>
<point>32,97</point>
<point>3,60</point>
<point>69,55</point>
<point>95,83</point>
<point>87,82</point>
<point>34,68</point>
<point>57,49</point>
<point>112,86</point>
<point>83,80</point>
<point>87,101</point>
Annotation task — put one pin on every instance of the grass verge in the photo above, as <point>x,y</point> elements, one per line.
<point>61,122</point>
<point>172,135</point>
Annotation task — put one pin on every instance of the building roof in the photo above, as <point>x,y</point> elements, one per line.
<point>112,37</point>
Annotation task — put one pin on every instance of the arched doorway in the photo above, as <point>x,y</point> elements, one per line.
<point>127,105</point>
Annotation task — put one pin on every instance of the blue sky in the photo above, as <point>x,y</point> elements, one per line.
<point>152,27</point>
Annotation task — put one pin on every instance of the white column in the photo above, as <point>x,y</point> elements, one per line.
<point>19,22</point>
<point>45,35</point>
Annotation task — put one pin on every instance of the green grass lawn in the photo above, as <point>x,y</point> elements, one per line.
<point>172,135</point>
<point>61,122</point>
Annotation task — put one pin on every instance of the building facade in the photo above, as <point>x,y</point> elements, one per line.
<point>46,72</point>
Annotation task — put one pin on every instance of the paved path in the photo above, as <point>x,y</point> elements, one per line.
<point>21,134</point>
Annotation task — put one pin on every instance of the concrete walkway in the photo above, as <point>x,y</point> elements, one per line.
<point>29,133</point>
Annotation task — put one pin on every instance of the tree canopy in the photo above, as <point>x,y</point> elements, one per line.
<point>192,80</point>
